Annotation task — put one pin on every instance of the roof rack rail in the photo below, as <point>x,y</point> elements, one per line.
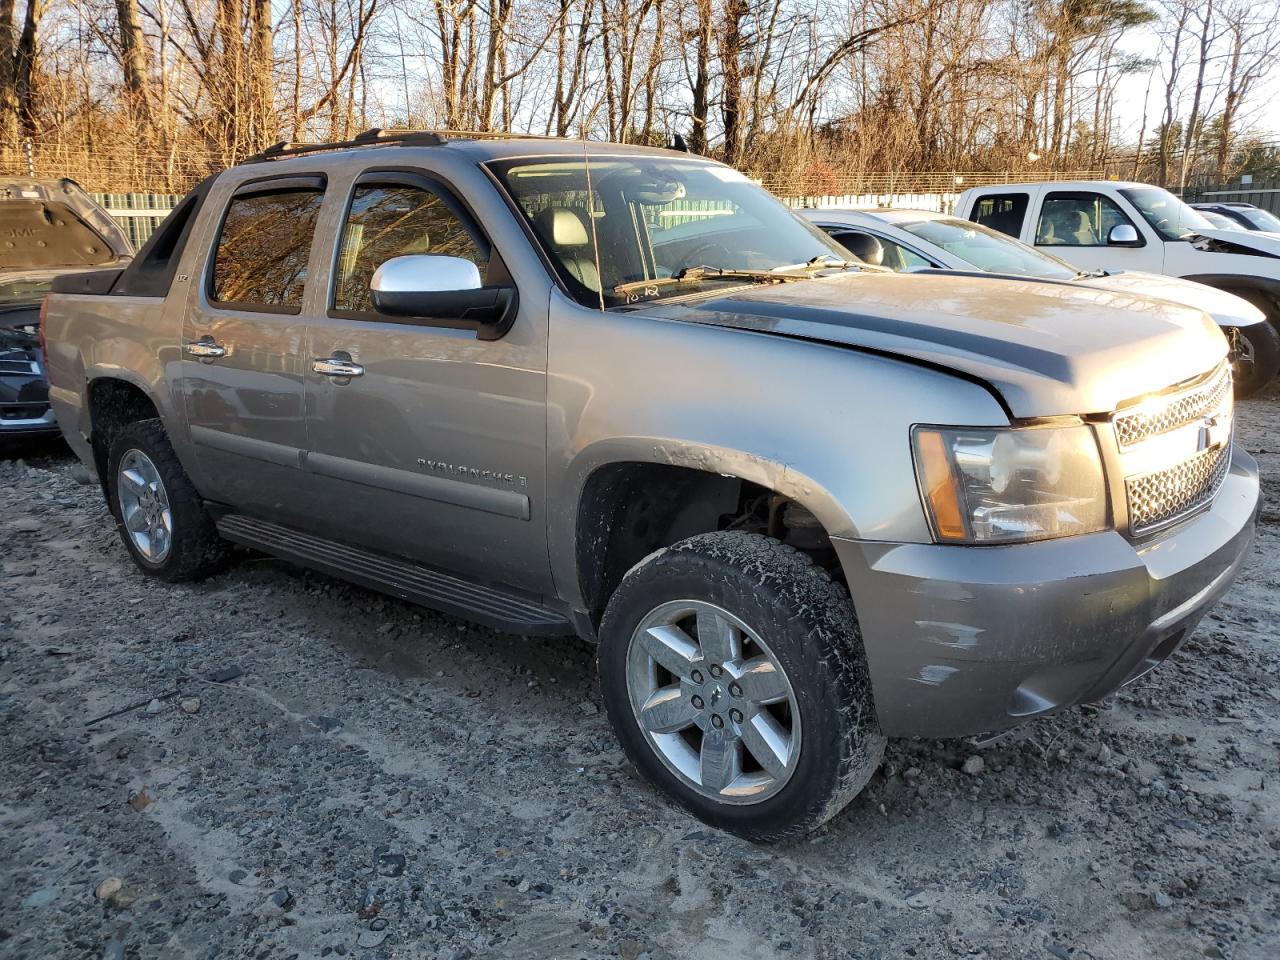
<point>386,137</point>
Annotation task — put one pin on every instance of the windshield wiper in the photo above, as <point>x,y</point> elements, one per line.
<point>698,274</point>
<point>825,261</point>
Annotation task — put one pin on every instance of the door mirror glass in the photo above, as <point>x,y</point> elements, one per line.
<point>1123,235</point>
<point>425,273</point>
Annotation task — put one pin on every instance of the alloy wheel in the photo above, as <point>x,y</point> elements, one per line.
<point>144,506</point>
<point>713,701</point>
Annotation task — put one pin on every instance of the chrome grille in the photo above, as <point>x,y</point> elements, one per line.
<point>1164,496</point>
<point>1165,414</point>
<point>23,367</point>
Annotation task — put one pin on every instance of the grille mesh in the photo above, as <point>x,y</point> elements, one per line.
<point>1166,495</point>
<point>1208,398</point>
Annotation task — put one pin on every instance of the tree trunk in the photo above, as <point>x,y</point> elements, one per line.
<point>264,128</point>
<point>133,53</point>
<point>8,87</point>
<point>731,101</point>
<point>24,67</point>
<point>701,87</point>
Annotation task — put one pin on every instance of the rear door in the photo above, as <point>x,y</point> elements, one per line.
<point>243,346</point>
<point>436,449</point>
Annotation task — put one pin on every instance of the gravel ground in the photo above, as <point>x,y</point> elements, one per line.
<point>382,781</point>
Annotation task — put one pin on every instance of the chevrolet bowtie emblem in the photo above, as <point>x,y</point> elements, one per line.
<point>1210,429</point>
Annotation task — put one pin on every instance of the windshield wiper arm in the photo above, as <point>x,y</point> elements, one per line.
<point>825,261</point>
<point>698,274</point>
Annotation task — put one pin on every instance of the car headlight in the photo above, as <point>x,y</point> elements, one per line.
<point>1010,484</point>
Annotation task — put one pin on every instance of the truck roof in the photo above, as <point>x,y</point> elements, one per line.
<point>481,146</point>
<point>1061,184</point>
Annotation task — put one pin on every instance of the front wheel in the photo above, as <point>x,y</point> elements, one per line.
<point>733,673</point>
<point>1255,356</point>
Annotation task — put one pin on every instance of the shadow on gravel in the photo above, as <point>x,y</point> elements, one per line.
<point>44,452</point>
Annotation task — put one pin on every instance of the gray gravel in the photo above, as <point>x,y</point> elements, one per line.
<point>382,781</point>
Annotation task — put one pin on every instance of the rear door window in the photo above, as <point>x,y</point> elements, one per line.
<point>1078,220</point>
<point>1001,211</point>
<point>260,261</point>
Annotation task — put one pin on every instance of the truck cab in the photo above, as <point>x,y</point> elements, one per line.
<point>1120,226</point>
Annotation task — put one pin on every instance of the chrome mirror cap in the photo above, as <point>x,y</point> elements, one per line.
<point>1123,233</point>
<point>425,273</point>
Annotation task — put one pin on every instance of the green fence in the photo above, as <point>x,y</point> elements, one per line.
<point>1262,193</point>
<point>138,213</point>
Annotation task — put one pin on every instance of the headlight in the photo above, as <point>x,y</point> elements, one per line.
<point>1010,484</point>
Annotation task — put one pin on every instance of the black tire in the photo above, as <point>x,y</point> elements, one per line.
<point>196,550</point>
<point>1260,343</point>
<point>808,622</point>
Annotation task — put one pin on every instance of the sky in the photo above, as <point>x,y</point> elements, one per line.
<point>1262,117</point>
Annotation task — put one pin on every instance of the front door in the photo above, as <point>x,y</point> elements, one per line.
<point>1076,226</point>
<point>435,447</point>
<point>243,348</point>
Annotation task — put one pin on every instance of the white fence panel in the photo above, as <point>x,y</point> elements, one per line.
<point>933,202</point>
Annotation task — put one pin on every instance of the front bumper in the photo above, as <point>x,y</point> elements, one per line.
<point>970,640</point>
<point>24,396</point>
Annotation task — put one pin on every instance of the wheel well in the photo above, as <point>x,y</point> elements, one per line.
<point>628,510</point>
<point>113,405</point>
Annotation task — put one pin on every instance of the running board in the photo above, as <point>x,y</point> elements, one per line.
<point>398,577</point>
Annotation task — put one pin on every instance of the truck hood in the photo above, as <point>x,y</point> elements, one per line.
<point>1254,240</point>
<point>1227,309</point>
<point>54,223</point>
<point>1046,349</point>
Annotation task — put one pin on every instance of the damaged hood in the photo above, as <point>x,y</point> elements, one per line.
<point>1047,349</point>
<point>1267,243</point>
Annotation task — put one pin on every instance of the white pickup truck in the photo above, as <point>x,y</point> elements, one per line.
<point>1115,226</point>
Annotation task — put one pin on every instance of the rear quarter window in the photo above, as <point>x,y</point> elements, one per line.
<point>263,248</point>
<point>1001,211</point>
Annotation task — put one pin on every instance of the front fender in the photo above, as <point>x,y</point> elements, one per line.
<point>1263,292</point>
<point>827,426</point>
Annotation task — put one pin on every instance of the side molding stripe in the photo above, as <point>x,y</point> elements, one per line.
<point>285,456</point>
<point>504,503</point>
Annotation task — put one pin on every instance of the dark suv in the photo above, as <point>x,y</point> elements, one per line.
<point>48,228</point>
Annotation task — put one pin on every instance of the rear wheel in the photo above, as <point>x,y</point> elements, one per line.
<point>160,516</point>
<point>733,672</point>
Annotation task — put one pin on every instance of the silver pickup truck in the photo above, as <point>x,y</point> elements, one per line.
<point>802,505</point>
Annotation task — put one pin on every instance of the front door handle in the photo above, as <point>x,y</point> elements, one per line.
<point>206,349</point>
<point>337,367</point>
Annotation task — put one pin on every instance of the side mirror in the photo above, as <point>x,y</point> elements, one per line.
<point>1124,235</point>
<point>443,289</point>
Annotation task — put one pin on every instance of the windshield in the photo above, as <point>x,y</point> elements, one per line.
<point>1168,216</point>
<point>24,291</point>
<point>988,249</point>
<point>653,219</point>
<point>1261,219</point>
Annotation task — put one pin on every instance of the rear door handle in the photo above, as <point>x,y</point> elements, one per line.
<point>206,349</point>
<point>337,367</point>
